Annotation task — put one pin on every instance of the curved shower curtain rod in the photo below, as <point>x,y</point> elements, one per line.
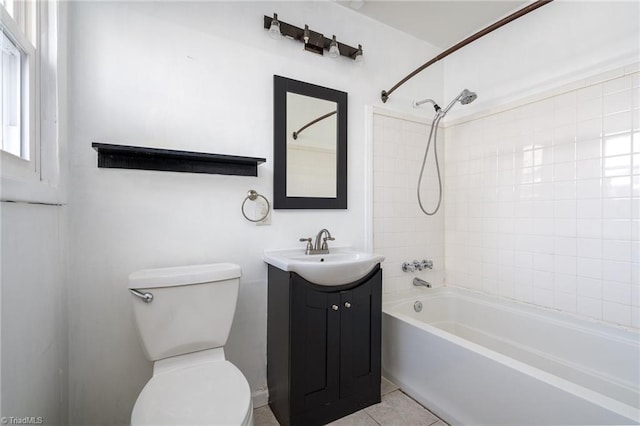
<point>384,95</point>
<point>312,122</point>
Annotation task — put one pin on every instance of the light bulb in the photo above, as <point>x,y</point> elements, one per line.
<point>334,52</point>
<point>305,35</point>
<point>359,56</point>
<point>274,29</point>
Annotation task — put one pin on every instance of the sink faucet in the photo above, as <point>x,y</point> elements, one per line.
<point>324,248</point>
<point>318,248</point>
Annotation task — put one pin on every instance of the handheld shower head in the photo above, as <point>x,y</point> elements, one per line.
<point>465,97</point>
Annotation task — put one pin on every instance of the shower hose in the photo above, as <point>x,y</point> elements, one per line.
<point>433,134</point>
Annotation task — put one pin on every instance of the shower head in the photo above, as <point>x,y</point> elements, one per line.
<point>465,97</point>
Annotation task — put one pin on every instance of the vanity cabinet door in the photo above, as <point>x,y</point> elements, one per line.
<point>315,348</point>
<point>360,319</point>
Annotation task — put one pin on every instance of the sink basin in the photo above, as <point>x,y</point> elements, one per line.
<point>341,266</point>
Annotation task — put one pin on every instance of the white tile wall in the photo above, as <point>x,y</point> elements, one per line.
<point>542,202</point>
<point>401,232</point>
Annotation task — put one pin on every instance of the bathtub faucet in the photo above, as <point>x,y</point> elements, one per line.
<point>419,282</point>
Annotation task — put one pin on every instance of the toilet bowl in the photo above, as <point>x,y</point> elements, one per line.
<point>183,316</point>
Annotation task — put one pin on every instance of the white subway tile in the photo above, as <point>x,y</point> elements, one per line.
<point>616,271</point>
<point>617,102</point>
<point>589,228</point>
<point>565,190</point>
<point>542,226</point>
<point>589,209</point>
<point>565,283</point>
<point>589,247</point>
<point>564,264</point>
<point>564,152</point>
<point>565,301</point>
<point>589,129</point>
<point>617,84</point>
<point>542,297</point>
<point>543,279</point>
<point>616,250</point>
<point>565,246</point>
<point>589,307</point>
<point>617,229</point>
<point>617,123</point>
<point>617,145</point>
<point>616,313</point>
<point>616,292</point>
<point>586,169</point>
<point>588,188</point>
<point>617,187</point>
<point>589,287</point>
<point>588,148</point>
<point>616,208</point>
<point>542,244</point>
<point>543,262</point>
<point>564,208</point>
<point>589,92</point>
<point>589,109</point>
<point>565,227</point>
<point>589,268</point>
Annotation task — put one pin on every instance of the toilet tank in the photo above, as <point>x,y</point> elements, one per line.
<point>192,307</point>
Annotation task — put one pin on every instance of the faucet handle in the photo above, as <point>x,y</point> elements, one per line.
<point>325,246</point>
<point>309,245</point>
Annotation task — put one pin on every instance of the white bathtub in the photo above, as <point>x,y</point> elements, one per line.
<point>478,359</point>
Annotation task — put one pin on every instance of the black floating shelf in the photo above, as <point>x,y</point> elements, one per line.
<point>169,160</point>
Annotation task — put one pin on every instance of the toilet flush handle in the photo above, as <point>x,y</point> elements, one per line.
<point>146,297</point>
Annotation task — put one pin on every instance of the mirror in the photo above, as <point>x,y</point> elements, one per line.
<point>310,146</point>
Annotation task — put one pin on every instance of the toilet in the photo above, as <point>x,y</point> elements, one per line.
<point>183,316</point>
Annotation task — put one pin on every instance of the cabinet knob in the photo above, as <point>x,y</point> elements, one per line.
<point>347,304</point>
<point>334,307</point>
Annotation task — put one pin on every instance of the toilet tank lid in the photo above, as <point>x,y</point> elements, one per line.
<point>183,275</point>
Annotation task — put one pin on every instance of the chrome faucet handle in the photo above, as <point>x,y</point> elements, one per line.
<point>408,267</point>
<point>428,264</point>
<point>325,246</point>
<point>309,248</point>
<point>418,265</point>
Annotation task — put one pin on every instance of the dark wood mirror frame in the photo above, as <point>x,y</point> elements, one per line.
<point>282,86</point>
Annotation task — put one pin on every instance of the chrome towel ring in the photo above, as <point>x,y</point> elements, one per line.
<point>253,196</point>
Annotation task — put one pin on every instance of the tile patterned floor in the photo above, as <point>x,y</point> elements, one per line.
<point>396,409</point>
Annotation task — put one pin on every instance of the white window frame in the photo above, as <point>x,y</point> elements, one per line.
<point>19,30</point>
<point>40,179</point>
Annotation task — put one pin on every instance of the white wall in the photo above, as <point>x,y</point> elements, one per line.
<point>196,76</point>
<point>34,323</point>
<point>557,44</point>
<point>536,210</point>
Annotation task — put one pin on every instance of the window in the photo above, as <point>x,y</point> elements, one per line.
<point>18,95</point>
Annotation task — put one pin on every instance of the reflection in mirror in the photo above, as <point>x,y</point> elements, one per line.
<point>311,147</point>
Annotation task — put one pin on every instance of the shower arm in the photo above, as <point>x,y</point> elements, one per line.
<point>384,95</point>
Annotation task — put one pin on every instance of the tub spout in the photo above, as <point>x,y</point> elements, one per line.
<point>419,282</point>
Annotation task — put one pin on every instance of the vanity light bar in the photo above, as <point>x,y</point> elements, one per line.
<point>313,41</point>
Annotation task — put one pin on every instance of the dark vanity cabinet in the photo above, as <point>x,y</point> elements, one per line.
<point>323,347</point>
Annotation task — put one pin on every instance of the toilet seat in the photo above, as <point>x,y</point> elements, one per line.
<point>214,393</point>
